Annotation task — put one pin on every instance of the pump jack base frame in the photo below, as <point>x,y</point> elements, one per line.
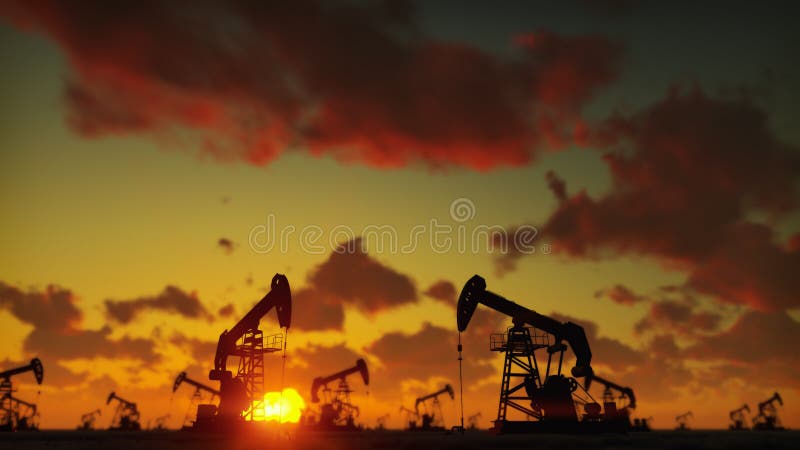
<point>554,427</point>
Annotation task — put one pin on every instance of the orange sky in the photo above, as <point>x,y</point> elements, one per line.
<point>135,191</point>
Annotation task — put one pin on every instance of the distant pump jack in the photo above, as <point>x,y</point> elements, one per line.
<point>767,418</point>
<point>17,414</point>
<point>683,421</point>
<point>337,412</point>
<point>431,416</point>
<point>126,415</point>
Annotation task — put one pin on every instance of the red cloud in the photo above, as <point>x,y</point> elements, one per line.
<point>686,173</point>
<point>356,81</point>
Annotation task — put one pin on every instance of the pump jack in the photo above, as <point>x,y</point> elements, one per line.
<point>88,419</point>
<point>12,417</point>
<point>196,396</point>
<point>126,416</point>
<point>641,424</point>
<point>27,416</point>
<point>381,422</point>
<point>242,396</point>
<point>550,403</point>
<point>737,418</point>
<point>411,417</point>
<point>337,413</point>
<point>432,417</point>
<point>160,423</point>
<point>683,421</point>
<point>612,413</point>
<point>767,418</point>
<point>473,421</point>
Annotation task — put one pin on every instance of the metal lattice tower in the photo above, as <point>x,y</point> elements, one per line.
<point>520,367</point>
<point>250,350</point>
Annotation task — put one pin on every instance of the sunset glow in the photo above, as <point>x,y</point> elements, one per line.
<point>285,408</point>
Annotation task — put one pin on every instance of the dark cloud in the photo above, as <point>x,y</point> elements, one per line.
<point>227,310</point>
<point>556,185</point>
<point>201,350</point>
<point>678,317</point>
<point>428,353</point>
<point>755,338</point>
<point>352,80</point>
<point>55,345</point>
<point>687,172</point>
<point>56,334</point>
<point>444,291</point>
<point>172,299</point>
<point>354,278</point>
<point>53,308</point>
<point>226,245</point>
<point>320,311</point>
<point>620,294</point>
<point>511,244</point>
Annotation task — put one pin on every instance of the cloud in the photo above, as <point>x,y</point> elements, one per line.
<point>227,310</point>
<point>56,334</point>
<point>201,350</point>
<point>353,277</point>
<point>511,244</point>
<point>620,294</point>
<point>226,245</point>
<point>677,317</point>
<point>443,291</point>
<point>76,344</point>
<point>360,82</point>
<point>172,299</point>
<point>687,173</point>
<point>428,353</point>
<point>320,311</point>
<point>755,338</point>
<point>53,308</point>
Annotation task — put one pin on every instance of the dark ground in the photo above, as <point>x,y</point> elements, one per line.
<point>397,440</point>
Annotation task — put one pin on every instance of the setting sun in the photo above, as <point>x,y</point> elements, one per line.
<point>286,407</point>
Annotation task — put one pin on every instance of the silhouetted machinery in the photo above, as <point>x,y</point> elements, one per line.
<point>473,421</point>
<point>126,416</point>
<point>17,414</point>
<point>160,423</point>
<point>197,398</point>
<point>683,421</point>
<point>88,420</point>
<point>336,412</point>
<point>381,422</point>
<point>738,419</point>
<point>617,414</point>
<point>432,416</point>
<point>242,396</point>
<point>767,418</point>
<point>27,416</point>
<point>549,403</point>
<point>641,424</point>
<point>410,417</point>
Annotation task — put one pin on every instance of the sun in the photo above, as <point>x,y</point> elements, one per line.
<point>285,408</point>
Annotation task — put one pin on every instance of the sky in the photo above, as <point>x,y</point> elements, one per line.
<point>159,163</point>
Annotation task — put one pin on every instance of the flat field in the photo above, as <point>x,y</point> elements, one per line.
<point>381,440</point>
